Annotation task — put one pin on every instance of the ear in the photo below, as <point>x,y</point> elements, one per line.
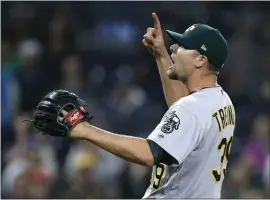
<point>200,61</point>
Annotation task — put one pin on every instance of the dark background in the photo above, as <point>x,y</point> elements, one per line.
<point>94,49</point>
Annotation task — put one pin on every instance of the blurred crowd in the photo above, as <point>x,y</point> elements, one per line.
<point>94,49</point>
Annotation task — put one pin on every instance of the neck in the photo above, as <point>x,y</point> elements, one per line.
<point>197,82</point>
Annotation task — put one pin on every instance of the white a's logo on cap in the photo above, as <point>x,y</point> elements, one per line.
<point>190,28</point>
<point>203,47</point>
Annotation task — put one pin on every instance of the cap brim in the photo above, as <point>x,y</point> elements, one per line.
<point>178,38</point>
<point>175,36</point>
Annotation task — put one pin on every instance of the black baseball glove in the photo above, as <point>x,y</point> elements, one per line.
<point>47,113</point>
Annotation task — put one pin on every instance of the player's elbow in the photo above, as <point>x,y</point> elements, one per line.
<point>142,153</point>
<point>148,159</point>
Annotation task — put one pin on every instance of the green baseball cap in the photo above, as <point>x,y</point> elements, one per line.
<point>206,40</point>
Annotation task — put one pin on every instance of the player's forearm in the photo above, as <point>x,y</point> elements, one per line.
<point>132,149</point>
<point>173,90</point>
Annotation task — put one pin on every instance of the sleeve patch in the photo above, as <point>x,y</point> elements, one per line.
<point>171,122</point>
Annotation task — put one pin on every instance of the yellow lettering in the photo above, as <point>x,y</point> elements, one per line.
<point>226,116</point>
<point>215,115</point>
<point>221,114</point>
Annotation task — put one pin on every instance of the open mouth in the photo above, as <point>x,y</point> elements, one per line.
<point>172,63</point>
<point>172,60</point>
<point>171,57</point>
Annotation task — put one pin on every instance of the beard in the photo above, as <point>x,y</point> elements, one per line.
<point>172,74</point>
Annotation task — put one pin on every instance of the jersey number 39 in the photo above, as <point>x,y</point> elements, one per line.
<point>224,146</point>
<point>159,174</point>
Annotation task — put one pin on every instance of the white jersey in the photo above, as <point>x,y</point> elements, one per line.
<point>197,131</point>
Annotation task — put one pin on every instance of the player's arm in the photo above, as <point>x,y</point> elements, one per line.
<point>154,42</point>
<point>133,149</point>
<point>169,143</point>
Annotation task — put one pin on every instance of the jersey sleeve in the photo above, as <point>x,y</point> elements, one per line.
<point>178,133</point>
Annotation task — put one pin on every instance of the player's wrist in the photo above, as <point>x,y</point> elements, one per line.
<point>162,54</point>
<point>79,131</point>
<point>163,60</point>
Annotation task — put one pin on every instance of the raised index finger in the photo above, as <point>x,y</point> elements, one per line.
<point>156,23</point>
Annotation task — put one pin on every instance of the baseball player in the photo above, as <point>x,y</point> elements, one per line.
<point>189,148</point>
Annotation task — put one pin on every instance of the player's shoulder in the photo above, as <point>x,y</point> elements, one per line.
<point>195,98</point>
<point>204,99</point>
<point>188,104</point>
